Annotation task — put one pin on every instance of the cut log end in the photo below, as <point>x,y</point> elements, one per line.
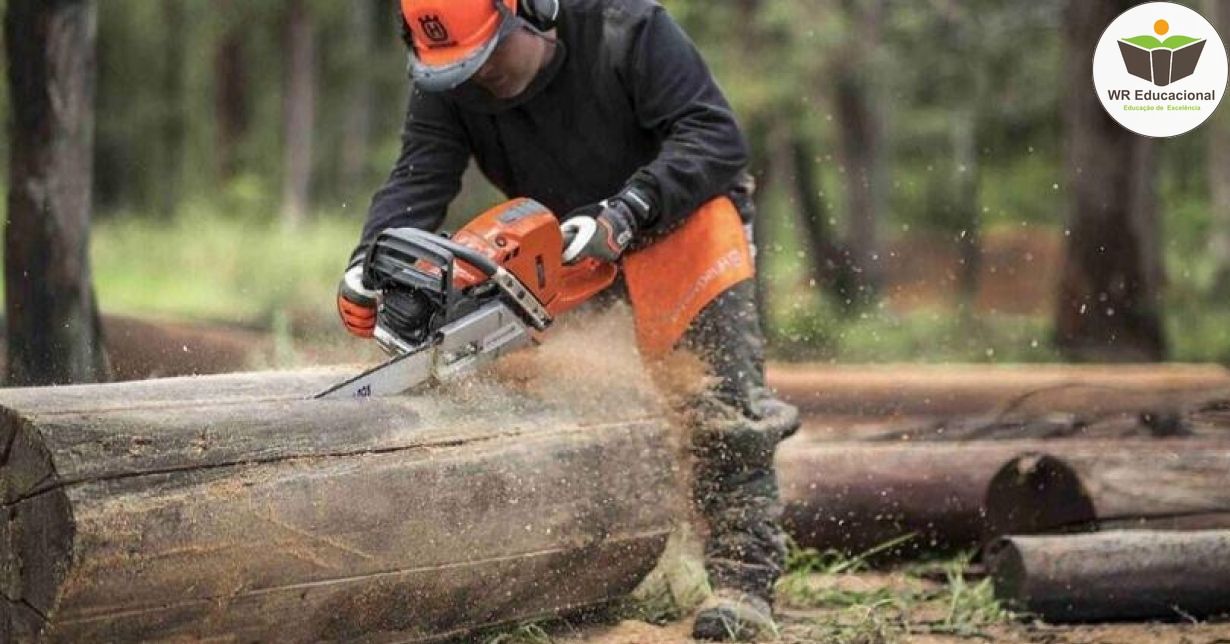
<point>1035,493</point>
<point>1114,576</point>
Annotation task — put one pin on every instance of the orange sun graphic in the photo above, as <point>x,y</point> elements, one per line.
<point>1161,27</point>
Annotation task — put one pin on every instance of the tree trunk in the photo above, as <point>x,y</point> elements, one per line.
<point>300,111</point>
<point>174,129</point>
<point>965,178</point>
<point>861,120</point>
<point>231,99</point>
<point>1109,292</point>
<point>53,328</point>
<point>357,121</point>
<point>831,266</point>
<point>1219,174</point>
<point>233,508</point>
<point>1110,576</point>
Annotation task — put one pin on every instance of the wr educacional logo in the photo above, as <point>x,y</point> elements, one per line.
<point>1161,62</point>
<point>1180,58</point>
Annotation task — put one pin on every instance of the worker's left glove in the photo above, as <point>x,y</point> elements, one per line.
<point>604,230</point>
<point>356,303</point>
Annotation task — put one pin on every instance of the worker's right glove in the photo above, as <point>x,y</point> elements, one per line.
<point>356,303</point>
<point>604,230</point>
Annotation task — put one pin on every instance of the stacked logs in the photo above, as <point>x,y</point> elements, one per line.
<point>1138,486</point>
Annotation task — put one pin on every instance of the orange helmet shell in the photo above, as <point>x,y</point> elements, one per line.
<point>447,32</point>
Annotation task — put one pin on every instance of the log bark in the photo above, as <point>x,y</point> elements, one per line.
<point>1120,575</point>
<point>1060,488</point>
<point>54,336</point>
<point>233,507</point>
<point>855,496</point>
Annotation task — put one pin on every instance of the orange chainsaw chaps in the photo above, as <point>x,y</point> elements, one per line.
<point>673,280</point>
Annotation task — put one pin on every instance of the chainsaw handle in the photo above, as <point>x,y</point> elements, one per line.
<point>581,281</point>
<point>436,250</point>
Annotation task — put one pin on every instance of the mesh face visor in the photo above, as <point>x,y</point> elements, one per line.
<point>441,78</point>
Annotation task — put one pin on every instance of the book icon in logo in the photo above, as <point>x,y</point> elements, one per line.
<point>1161,62</point>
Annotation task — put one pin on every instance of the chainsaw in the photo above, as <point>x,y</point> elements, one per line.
<point>446,306</point>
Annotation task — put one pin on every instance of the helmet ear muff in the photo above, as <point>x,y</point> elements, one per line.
<point>541,14</point>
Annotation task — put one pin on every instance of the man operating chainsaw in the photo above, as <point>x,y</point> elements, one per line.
<point>604,112</point>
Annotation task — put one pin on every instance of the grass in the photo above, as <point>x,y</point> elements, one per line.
<point>205,266</point>
<point>867,612</point>
<point>526,633</point>
<point>238,267</point>
<point>819,332</point>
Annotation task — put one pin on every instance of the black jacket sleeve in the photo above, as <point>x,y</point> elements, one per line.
<point>427,175</point>
<point>674,94</point>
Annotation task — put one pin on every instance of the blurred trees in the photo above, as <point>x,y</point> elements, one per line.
<point>284,108</point>
<point>1110,289</point>
<point>53,333</point>
<point>877,129</point>
<point>299,104</point>
<point>1219,172</point>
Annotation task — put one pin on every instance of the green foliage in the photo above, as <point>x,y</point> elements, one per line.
<point>527,633</point>
<point>973,138</point>
<point>205,265</point>
<point>823,332</point>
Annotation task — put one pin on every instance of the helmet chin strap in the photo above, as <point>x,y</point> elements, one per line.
<point>545,35</point>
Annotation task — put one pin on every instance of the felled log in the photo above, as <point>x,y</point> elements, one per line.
<point>1181,484</point>
<point>1119,575</point>
<point>855,496</point>
<point>235,508</point>
<point>965,390</point>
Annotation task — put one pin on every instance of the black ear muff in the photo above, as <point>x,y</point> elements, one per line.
<point>541,14</point>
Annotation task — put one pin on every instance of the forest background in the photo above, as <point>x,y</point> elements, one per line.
<point>925,186</point>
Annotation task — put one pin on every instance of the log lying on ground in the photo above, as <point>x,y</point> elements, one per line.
<point>233,508</point>
<point>855,496</point>
<point>1180,484</point>
<point>1119,575</point>
<point>964,390</point>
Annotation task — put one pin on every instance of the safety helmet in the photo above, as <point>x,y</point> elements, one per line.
<point>452,39</point>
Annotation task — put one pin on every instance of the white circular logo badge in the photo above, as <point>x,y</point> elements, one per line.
<point>1160,69</point>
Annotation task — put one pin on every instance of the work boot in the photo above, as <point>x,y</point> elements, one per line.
<point>732,615</point>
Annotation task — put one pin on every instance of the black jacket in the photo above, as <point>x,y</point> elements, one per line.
<point>632,103</point>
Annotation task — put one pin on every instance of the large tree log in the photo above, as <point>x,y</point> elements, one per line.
<point>855,496</point>
<point>1121,575</point>
<point>234,508</point>
<point>1066,487</point>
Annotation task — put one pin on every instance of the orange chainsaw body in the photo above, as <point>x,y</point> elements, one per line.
<point>524,237</point>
